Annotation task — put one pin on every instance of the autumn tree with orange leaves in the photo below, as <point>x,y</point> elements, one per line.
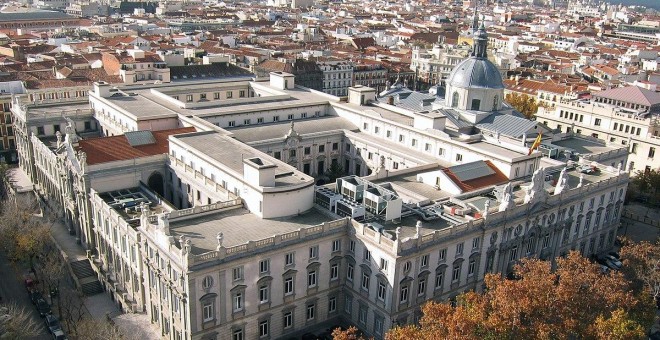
<point>573,301</point>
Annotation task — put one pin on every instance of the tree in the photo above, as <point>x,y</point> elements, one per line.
<point>575,300</point>
<point>646,183</point>
<point>17,322</point>
<point>335,171</point>
<point>525,104</point>
<point>642,265</point>
<point>4,181</point>
<point>98,329</point>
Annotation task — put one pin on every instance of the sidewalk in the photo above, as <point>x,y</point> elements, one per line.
<point>100,306</point>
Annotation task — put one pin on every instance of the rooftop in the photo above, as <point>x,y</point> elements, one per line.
<point>231,153</point>
<point>253,133</point>
<point>127,202</point>
<point>123,147</point>
<point>583,146</point>
<point>239,226</point>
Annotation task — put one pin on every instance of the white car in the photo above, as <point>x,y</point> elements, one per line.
<point>614,260</point>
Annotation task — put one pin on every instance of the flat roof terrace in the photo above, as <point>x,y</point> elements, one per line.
<point>128,202</point>
<point>238,227</point>
<point>583,146</point>
<point>231,153</point>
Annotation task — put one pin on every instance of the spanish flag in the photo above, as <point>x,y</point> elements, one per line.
<point>536,144</point>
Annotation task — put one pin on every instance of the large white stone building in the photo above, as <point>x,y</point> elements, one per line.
<point>626,117</point>
<point>202,204</point>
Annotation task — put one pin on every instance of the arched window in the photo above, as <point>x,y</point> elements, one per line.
<point>495,100</point>
<point>454,99</point>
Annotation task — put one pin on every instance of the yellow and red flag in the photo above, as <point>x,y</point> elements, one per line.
<point>536,144</point>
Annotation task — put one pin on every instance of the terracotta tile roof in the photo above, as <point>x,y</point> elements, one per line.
<point>117,148</point>
<point>481,182</point>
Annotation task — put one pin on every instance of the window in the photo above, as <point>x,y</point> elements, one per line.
<point>263,328</point>
<point>207,282</point>
<point>260,120</point>
<point>263,294</point>
<point>348,305</point>
<point>456,274</point>
<point>414,142</point>
<point>471,266</point>
<point>247,121</point>
<point>496,100</point>
<point>336,245</point>
<point>546,241</point>
<point>441,151</point>
<point>334,271</point>
<point>232,123</point>
<point>292,153</point>
<point>442,256</point>
<point>376,129</point>
<point>241,93</point>
<point>427,147</point>
<point>288,286</point>
<point>363,315</point>
<point>633,149</point>
<point>237,273</point>
<point>321,148</point>
<point>404,294</point>
<point>237,334</point>
<point>230,94</point>
<point>332,304</point>
<point>475,243</point>
<point>290,117</point>
<point>367,255</point>
<point>189,98</point>
<point>421,286</point>
<point>311,309</point>
<point>313,252</point>
<point>238,301</point>
<point>439,280</point>
<point>40,130</point>
<point>365,126</point>
<point>311,279</point>
<point>383,264</point>
<point>365,281</point>
<point>307,150</point>
<point>276,118</point>
<point>454,99</point>
<point>459,157</point>
<point>401,138</point>
<point>207,311</point>
<point>335,146</point>
<point>277,154</point>
<point>476,104</point>
<point>288,259</point>
<point>424,261</point>
<point>459,249</point>
<point>514,253</point>
<point>651,152</point>
<point>288,319</point>
<point>264,266</point>
<point>382,289</point>
<point>349,272</point>
<point>216,95</point>
<point>388,134</point>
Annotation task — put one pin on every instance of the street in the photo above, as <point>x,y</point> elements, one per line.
<point>12,290</point>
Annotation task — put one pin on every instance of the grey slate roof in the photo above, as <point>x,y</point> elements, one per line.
<point>252,133</point>
<point>476,72</point>
<point>506,125</point>
<point>36,15</point>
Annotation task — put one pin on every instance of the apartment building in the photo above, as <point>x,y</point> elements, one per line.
<point>626,116</point>
<point>337,77</point>
<point>7,139</point>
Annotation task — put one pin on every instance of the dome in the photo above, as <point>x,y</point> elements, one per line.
<point>475,72</point>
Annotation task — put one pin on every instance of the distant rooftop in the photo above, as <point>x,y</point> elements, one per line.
<point>33,15</point>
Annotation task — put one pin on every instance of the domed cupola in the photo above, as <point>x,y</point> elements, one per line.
<point>475,83</point>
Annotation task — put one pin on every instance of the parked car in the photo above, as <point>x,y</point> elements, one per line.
<point>615,254</point>
<point>34,296</point>
<point>59,335</point>
<point>52,324</point>
<point>614,260</point>
<point>42,307</point>
<point>587,169</point>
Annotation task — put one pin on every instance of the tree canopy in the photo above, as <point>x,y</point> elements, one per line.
<point>574,300</point>
<point>525,104</point>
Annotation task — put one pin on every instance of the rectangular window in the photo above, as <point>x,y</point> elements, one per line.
<point>290,117</point>
<point>471,267</point>
<point>276,118</point>
<point>382,290</point>
<point>311,309</point>
<point>363,316</point>
<point>459,157</point>
<point>288,286</point>
<point>237,334</point>
<point>404,294</point>
<point>424,261</point>
<point>263,294</point>
<point>336,245</point>
<point>334,272</point>
<point>263,326</point>
<point>421,287</point>
<point>232,123</point>
<point>388,134</point>
<point>238,301</point>
<point>475,243</point>
<point>365,281</point>
<point>414,142</point>
<point>383,264</point>
<point>351,246</point>
<point>241,93</point>
<point>264,266</point>
<point>288,259</point>
<point>208,310</point>
<point>349,272</point>
<point>456,274</point>
<point>442,255</point>
<point>230,94</point>
<point>651,152</point>
<point>439,278</point>
<point>189,98</point>
<point>335,146</point>
<point>441,151</point>
<point>597,122</point>
<point>401,138</point>
<point>260,120</point>
<point>288,320</point>
<point>277,154</point>
<point>348,305</point>
<point>237,273</point>
<point>307,150</point>
<point>311,279</point>
<point>367,255</point>
<point>313,252</point>
<point>459,249</point>
<point>332,304</point>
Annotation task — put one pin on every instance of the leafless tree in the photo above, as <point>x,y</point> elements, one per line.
<point>98,329</point>
<point>17,322</point>
<point>72,309</point>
